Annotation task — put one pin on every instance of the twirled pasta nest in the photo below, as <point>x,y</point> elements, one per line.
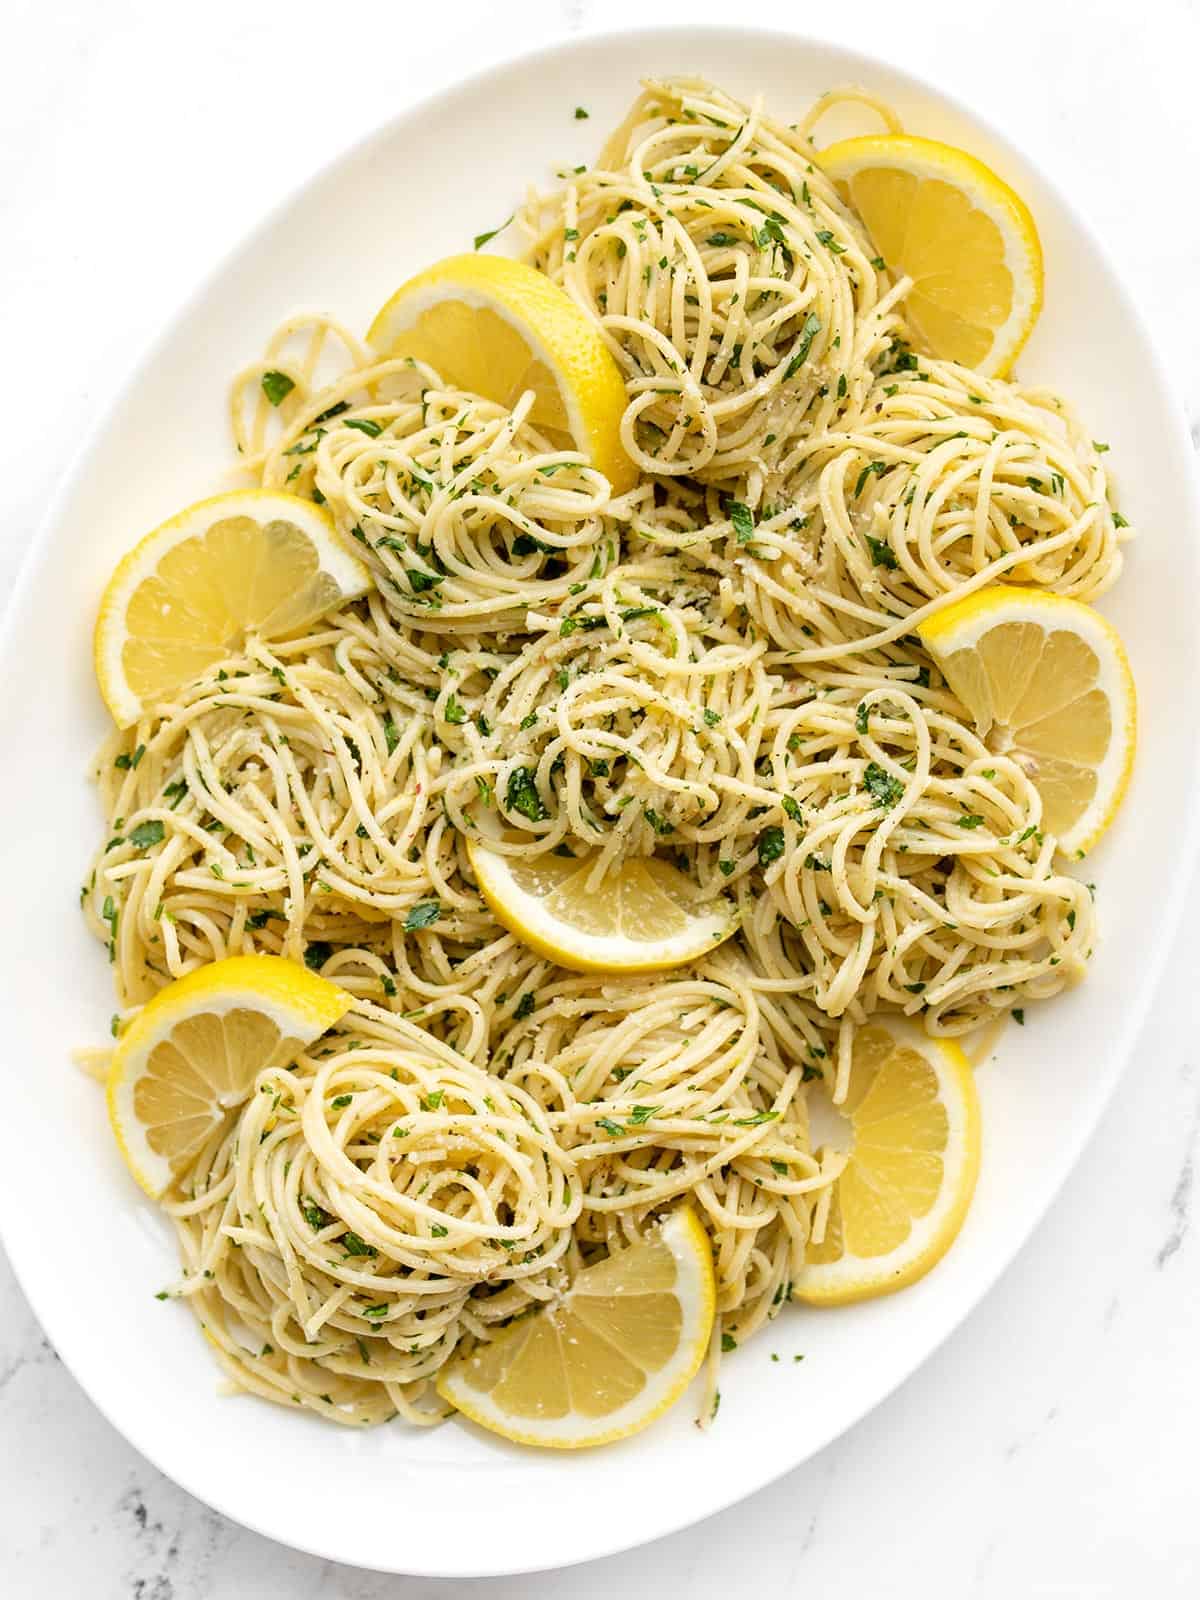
<point>365,1211</point>
<point>729,291</point>
<point>686,1090</point>
<point>288,804</point>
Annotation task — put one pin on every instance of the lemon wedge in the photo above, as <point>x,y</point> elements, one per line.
<point>605,1359</point>
<point>968,242</point>
<point>1048,682</point>
<point>901,1199</point>
<point>193,1052</point>
<point>495,327</point>
<point>253,560</point>
<point>646,916</point>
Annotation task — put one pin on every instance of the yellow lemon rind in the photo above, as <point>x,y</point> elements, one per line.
<point>302,1004</point>
<point>931,159</point>
<point>556,941</point>
<point>693,1253</point>
<point>561,336</point>
<point>263,505</point>
<point>854,1278</point>
<point>960,626</point>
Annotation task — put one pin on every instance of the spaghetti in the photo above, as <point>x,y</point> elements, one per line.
<point>720,666</point>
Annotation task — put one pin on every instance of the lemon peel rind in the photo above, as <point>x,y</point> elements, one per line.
<point>854,1278</point>
<point>961,625</point>
<point>139,563</point>
<point>277,988</point>
<point>929,159</point>
<point>689,1244</point>
<point>587,952</point>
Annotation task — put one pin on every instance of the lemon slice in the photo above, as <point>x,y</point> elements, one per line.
<point>646,917</point>
<point>254,560</point>
<point>970,245</point>
<point>1047,681</point>
<point>496,327</point>
<point>193,1052</point>
<point>900,1200</point>
<point>606,1358</point>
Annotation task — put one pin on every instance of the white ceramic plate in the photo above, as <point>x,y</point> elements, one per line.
<point>90,1251</point>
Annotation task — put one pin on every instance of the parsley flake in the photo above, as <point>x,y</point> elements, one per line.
<point>276,386</point>
<point>881,786</point>
<point>423,915</point>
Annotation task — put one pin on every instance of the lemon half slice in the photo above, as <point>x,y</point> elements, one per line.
<point>608,1357</point>
<point>193,1052</point>
<point>496,327</point>
<point>1048,682</point>
<point>646,917</point>
<point>254,560</point>
<point>969,243</point>
<point>901,1199</point>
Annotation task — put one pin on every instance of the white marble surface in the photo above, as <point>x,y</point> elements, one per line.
<point>1047,1449</point>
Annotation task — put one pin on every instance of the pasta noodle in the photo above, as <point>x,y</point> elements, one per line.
<point>719,666</point>
<point>372,1204</point>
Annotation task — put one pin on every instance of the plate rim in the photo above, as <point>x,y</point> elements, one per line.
<point>1081,1129</point>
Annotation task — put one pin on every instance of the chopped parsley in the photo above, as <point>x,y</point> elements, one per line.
<point>882,554</point>
<point>485,238</point>
<point>742,519</point>
<point>771,845</point>
<point>810,330</point>
<point>423,915</point>
<point>276,386</point>
<point>522,795</point>
<point>881,786</point>
<point>422,582</point>
<point>642,1114</point>
<point>875,468</point>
